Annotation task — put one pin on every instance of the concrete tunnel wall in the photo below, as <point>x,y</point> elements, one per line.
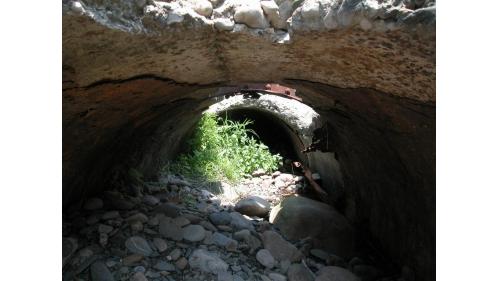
<point>129,98</point>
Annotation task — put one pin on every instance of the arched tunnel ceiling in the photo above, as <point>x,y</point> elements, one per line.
<point>133,85</point>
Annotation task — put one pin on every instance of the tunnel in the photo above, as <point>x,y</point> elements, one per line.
<point>268,130</point>
<point>134,86</point>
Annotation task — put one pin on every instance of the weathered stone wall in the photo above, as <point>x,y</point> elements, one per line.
<point>136,76</point>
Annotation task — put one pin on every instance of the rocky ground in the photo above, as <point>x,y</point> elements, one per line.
<point>179,231</point>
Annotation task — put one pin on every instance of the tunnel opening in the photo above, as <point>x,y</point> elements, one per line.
<point>268,129</point>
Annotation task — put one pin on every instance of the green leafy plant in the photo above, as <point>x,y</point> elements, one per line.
<point>222,149</point>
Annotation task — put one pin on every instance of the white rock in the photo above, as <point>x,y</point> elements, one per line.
<point>203,7</point>
<point>251,14</point>
<point>77,7</point>
<point>311,10</point>
<point>271,10</point>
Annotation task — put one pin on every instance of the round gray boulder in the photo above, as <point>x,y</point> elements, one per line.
<point>253,206</point>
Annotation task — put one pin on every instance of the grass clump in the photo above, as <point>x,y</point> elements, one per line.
<point>223,149</point>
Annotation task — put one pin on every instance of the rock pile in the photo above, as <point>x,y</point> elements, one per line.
<point>196,238</point>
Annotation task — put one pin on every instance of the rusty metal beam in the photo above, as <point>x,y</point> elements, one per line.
<point>269,88</point>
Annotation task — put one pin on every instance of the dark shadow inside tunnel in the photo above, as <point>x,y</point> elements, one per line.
<point>269,130</point>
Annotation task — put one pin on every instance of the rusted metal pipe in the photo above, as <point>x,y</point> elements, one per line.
<point>308,175</point>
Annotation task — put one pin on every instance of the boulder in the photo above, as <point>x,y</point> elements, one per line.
<point>251,14</point>
<point>253,206</point>
<point>300,217</point>
<point>239,222</point>
<point>203,7</point>
<point>207,262</point>
<point>312,14</point>
<point>168,210</point>
<point>193,233</point>
<point>279,248</point>
<point>265,258</point>
<point>150,200</point>
<point>224,24</point>
<point>224,241</point>
<point>138,276</point>
<point>100,272</point>
<point>298,272</point>
<point>132,259</point>
<point>160,244</point>
<point>164,266</point>
<point>277,277</point>
<point>170,230</point>
<point>271,10</point>
<point>335,273</point>
<point>220,218</point>
<point>138,245</point>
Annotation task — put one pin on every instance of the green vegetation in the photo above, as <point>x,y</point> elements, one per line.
<point>224,150</point>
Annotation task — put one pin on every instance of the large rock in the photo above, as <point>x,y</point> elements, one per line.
<point>251,14</point>
<point>138,245</point>
<point>253,206</point>
<point>224,241</point>
<point>170,230</point>
<point>100,272</point>
<point>312,13</point>
<point>193,233</point>
<point>335,273</point>
<point>239,222</point>
<point>207,262</point>
<point>224,24</point>
<point>271,10</point>
<point>298,272</point>
<point>252,241</point>
<point>265,258</point>
<point>279,247</point>
<point>220,218</point>
<point>203,7</point>
<point>299,217</point>
<point>168,210</point>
